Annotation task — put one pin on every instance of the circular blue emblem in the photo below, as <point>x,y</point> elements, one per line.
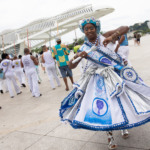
<point>100,107</point>
<point>128,73</point>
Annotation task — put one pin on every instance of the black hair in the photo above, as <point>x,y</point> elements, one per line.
<point>4,55</point>
<point>76,43</point>
<point>59,42</point>
<point>20,56</point>
<point>41,53</point>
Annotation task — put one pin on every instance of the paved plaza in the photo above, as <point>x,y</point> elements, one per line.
<point>28,123</point>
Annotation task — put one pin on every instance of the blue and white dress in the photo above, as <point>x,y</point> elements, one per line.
<point>108,96</point>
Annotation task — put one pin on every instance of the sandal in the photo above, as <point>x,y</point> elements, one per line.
<point>125,133</point>
<point>111,144</point>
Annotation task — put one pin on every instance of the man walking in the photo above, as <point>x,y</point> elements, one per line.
<point>59,53</point>
<point>49,64</point>
<point>28,62</point>
<point>7,65</point>
<point>19,71</point>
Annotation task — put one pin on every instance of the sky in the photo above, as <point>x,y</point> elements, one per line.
<point>17,13</point>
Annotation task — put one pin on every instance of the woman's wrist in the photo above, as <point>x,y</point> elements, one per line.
<point>76,56</point>
<point>115,36</point>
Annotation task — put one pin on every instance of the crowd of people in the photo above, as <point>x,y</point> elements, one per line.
<point>25,68</point>
<point>109,95</point>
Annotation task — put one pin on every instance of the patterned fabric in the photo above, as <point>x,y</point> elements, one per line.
<point>61,53</point>
<point>91,20</point>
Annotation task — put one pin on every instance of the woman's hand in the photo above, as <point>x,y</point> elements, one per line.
<point>74,65</point>
<point>107,41</point>
<point>81,54</point>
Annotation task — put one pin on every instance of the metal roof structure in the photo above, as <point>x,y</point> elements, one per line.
<point>41,31</point>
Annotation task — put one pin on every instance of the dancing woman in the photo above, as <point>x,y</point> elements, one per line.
<point>109,95</point>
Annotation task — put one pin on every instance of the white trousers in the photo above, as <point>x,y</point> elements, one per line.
<point>20,75</point>
<point>3,84</point>
<point>10,79</point>
<point>51,71</point>
<point>38,74</point>
<point>33,82</point>
<point>123,51</point>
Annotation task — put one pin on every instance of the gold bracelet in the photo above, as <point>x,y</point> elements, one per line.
<point>115,36</point>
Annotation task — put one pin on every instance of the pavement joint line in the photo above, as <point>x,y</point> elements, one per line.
<point>65,138</point>
<point>26,125</point>
<point>34,143</point>
<point>83,145</point>
<point>30,133</point>
<point>52,129</point>
<point>37,133</point>
<point>6,135</point>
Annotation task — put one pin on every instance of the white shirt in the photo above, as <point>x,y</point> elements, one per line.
<point>17,64</point>
<point>47,56</point>
<point>28,63</point>
<point>7,64</point>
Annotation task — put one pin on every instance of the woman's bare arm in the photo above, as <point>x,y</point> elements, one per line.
<point>119,42</point>
<point>43,61</point>
<point>111,36</point>
<point>35,60</point>
<point>81,54</point>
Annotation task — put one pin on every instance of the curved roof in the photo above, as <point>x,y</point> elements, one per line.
<point>43,30</point>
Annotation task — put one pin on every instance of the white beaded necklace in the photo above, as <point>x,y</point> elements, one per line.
<point>90,43</point>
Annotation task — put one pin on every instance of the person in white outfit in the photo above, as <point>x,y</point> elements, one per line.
<point>7,64</point>
<point>49,64</point>
<point>19,71</point>
<point>28,62</point>
<point>3,85</point>
<point>2,81</point>
<point>122,48</point>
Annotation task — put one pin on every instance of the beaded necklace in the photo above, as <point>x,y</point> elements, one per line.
<point>107,51</point>
<point>91,44</point>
